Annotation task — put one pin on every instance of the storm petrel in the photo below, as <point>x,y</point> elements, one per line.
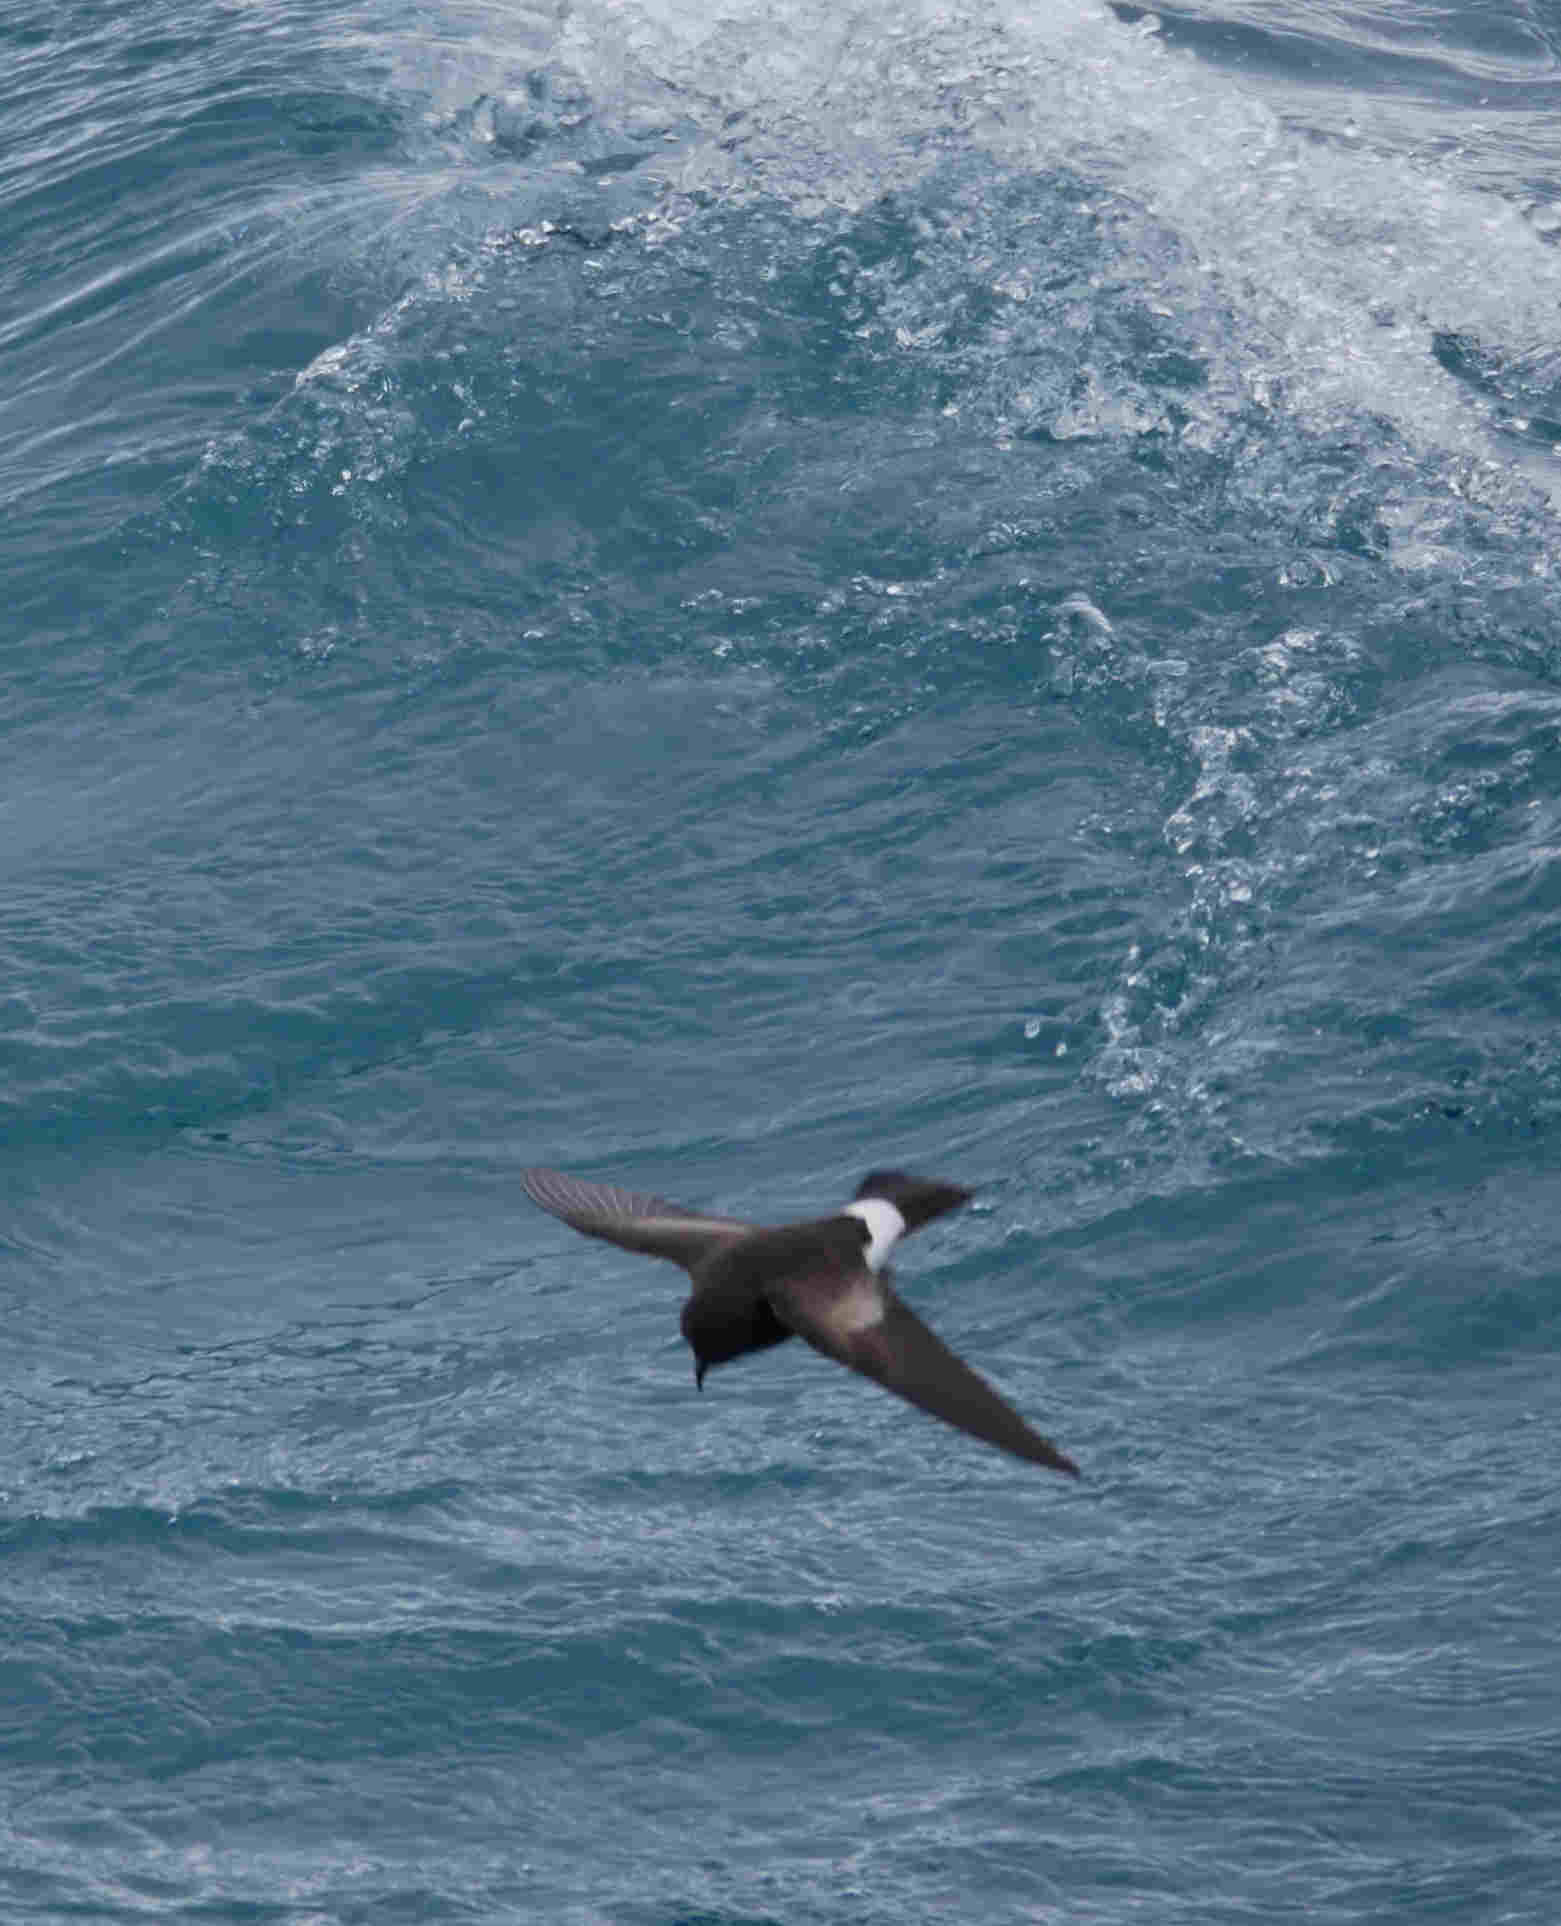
<point>823,1280</point>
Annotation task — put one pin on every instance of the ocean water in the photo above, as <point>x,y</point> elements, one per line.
<point>718,596</point>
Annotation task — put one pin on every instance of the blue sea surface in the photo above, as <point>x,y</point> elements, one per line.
<point>719,597</point>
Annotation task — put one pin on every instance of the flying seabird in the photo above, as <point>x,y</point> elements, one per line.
<point>823,1280</point>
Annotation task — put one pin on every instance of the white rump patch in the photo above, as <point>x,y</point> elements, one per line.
<point>885,1227</point>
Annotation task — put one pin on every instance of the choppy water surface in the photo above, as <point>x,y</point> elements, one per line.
<point>718,600</point>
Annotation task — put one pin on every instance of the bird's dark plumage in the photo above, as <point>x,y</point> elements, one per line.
<point>823,1280</point>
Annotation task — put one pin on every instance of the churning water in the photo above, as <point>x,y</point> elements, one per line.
<point>719,597</point>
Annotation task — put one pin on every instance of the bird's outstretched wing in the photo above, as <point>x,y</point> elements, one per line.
<point>632,1218</point>
<point>857,1319</point>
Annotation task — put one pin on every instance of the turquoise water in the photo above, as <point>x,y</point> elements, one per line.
<point>719,601</point>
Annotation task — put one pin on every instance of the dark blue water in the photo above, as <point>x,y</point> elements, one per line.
<point>718,600</point>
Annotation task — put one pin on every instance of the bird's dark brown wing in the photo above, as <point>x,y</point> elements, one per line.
<point>632,1218</point>
<point>859,1320</point>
